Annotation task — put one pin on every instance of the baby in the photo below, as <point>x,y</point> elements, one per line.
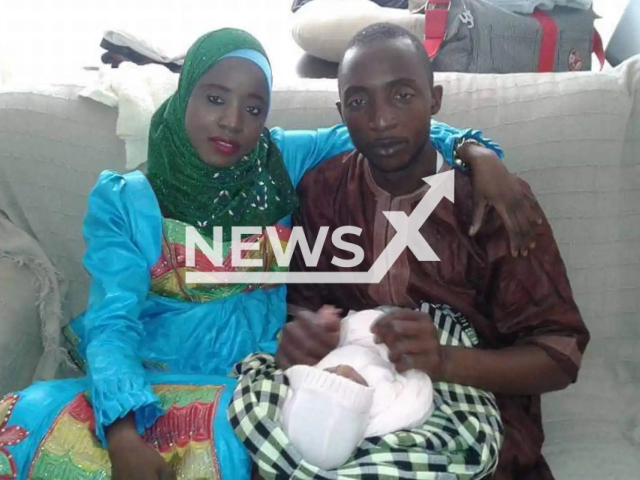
<point>352,394</point>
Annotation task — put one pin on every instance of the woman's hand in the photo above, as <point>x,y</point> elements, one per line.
<point>131,458</point>
<point>494,186</point>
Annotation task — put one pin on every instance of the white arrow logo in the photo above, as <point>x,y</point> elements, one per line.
<point>407,235</point>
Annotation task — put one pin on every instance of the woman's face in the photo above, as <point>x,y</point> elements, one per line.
<point>227,111</point>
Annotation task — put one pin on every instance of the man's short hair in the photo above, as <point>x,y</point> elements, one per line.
<point>380,32</point>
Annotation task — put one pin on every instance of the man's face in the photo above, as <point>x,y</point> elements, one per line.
<point>387,102</point>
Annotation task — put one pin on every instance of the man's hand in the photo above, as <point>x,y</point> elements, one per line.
<point>308,338</point>
<point>131,458</point>
<point>413,342</point>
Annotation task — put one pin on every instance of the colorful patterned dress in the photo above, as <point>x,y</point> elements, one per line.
<point>153,344</point>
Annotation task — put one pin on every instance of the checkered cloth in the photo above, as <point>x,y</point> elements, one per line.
<point>460,441</point>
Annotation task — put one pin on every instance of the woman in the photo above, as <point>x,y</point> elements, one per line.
<point>158,351</point>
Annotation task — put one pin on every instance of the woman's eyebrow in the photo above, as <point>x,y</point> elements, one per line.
<point>257,96</point>
<point>253,95</point>
<point>216,85</point>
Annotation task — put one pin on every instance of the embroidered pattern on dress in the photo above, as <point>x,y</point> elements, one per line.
<point>168,276</point>
<point>183,436</point>
<point>9,436</point>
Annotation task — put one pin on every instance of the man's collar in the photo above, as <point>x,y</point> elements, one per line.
<point>379,191</point>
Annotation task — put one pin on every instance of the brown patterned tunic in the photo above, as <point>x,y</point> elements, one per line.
<point>510,301</point>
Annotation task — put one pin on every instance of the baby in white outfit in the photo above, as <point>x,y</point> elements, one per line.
<point>352,394</point>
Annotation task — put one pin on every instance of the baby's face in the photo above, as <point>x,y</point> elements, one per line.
<point>348,372</point>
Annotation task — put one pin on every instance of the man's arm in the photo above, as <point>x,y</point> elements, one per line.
<point>523,370</point>
<point>414,344</point>
<point>532,304</point>
<point>540,330</point>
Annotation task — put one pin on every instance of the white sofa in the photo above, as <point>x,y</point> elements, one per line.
<point>574,137</point>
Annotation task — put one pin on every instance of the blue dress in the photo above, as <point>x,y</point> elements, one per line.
<point>166,359</point>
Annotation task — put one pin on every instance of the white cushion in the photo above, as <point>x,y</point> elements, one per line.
<point>323,28</point>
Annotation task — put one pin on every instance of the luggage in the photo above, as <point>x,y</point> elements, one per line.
<point>474,36</point>
<point>477,36</point>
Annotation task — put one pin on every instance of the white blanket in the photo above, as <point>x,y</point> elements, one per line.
<point>400,401</point>
<point>326,416</point>
<point>137,91</point>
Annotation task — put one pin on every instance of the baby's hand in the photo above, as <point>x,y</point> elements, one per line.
<point>348,372</point>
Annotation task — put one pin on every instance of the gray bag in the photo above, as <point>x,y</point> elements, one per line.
<point>483,38</point>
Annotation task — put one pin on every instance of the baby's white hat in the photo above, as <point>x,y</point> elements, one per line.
<point>325,415</point>
<point>332,387</point>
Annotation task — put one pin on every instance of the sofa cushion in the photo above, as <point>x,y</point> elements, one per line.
<point>574,137</point>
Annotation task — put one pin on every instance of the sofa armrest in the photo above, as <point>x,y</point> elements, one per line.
<point>20,326</point>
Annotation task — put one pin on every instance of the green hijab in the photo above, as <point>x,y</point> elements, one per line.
<point>256,192</point>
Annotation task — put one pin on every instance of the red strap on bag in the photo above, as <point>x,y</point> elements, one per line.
<point>436,15</point>
<point>546,61</point>
<point>598,48</point>
<point>547,58</point>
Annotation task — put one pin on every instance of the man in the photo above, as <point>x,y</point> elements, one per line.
<point>531,332</point>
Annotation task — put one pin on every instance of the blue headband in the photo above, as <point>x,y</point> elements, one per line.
<point>258,59</point>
